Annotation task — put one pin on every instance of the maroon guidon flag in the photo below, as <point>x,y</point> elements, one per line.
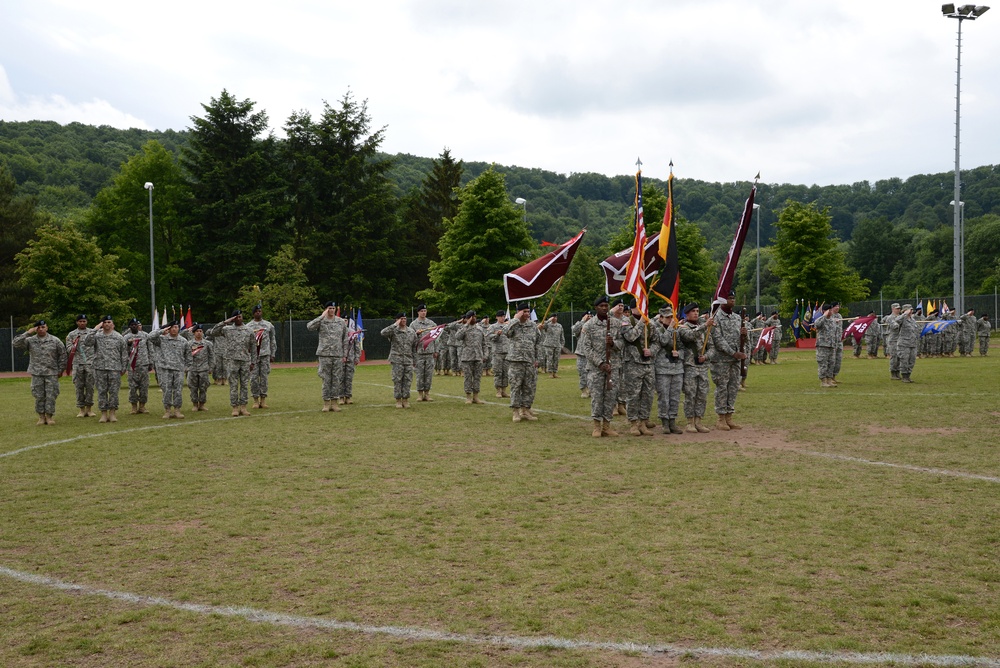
<point>858,328</point>
<point>733,256</point>
<point>538,276</point>
<point>614,265</point>
<point>766,340</point>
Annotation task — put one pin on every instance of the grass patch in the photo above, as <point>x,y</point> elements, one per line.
<point>450,518</point>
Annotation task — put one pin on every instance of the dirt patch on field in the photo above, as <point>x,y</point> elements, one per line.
<point>747,437</point>
<point>875,430</point>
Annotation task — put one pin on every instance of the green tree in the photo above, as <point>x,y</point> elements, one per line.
<point>810,261</point>
<point>982,242</point>
<point>699,273</point>
<point>583,282</point>
<point>486,239</point>
<point>119,219</point>
<point>876,248</point>
<point>70,274</point>
<point>343,207</point>
<point>18,221</point>
<point>746,278</point>
<point>286,290</point>
<point>237,217</point>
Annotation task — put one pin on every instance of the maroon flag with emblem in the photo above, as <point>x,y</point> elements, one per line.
<point>614,265</point>
<point>766,340</point>
<point>858,328</point>
<point>733,256</point>
<point>538,276</point>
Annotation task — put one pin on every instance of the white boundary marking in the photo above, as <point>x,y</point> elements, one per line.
<point>516,642</point>
<point>259,616</point>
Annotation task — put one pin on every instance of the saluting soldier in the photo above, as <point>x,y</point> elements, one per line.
<point>618,311</point>
<point>553,341</point>
<point>353,358</point>
<point>110,361</point>
<point>907,332</point>
<point>139,365</point>
<point>265,346</point>
<point>426,357</point>
<point>725,356</point>
<point>331,353</point>
<point>484,324</point>
<point>581,358</point>
<point>829,344</point>
<point>983,328</point>
<point>202,358</point>
<point>175,359</point>
<point>890,341</point>
<point>603,345</point>
<point>500,346</point>
<point>522,365</point>
<point>692,334</point>
<point>46,362</point>
<point>81,368</point>
<point>402,348</point>
<point>239,344</point>
<point>668,365</point>
<point>471,338</point>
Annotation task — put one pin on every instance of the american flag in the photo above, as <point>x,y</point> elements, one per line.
<point>635,279</point>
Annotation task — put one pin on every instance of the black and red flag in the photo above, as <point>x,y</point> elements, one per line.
<point>668,285</point>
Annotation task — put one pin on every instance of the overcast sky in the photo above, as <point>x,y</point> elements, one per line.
<point>828,91</point>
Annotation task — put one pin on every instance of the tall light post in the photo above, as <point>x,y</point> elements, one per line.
<point>757,209</point>
<point>962,13</point>
<point>523,202</point>
<point>152,268</point>
<point>960,258</point>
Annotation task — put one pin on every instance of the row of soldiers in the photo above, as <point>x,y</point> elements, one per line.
<point>960,338</point>
<point>449,356</point>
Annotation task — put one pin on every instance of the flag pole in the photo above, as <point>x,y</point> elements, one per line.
<point>551,301</point>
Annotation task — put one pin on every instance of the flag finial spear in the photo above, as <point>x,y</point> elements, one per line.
<point>671,165</point>
<point>757,178</point>
<point>638,164</point>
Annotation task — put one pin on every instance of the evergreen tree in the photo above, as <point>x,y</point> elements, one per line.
<point>286,290</point>
<point>809,259</point>
<point>486,239</point>
<point>119,219</point>
<point>18,222</point>
<point>237,220</point>
<point>876,248</point>
<point>342,205</point>
<point>70,274</point>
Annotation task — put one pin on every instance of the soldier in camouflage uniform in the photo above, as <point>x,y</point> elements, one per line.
<point>202,355</point>
<point>603,345</point>
<point>218,361</point>
<point>80,367</point>
<point>484,324</point>
<point>426,357</point>
<point>239,346</point>
<point>47,361</point>
<point>669,368</point>
<point>983,328</point>
<point>967,334</point>
<point>402,348</point>
<point>331,353</point>
<point>725,355</point>
<point>443,363</point>
<point>175,359</point>
<point>110,361</point>
<point>470,336</point>
<point>522,365</point>
<point>553,341</point>
<point>454,356</point>
<point>139,365</point>
<point>641,348</point>
<point>618,311</point>
<point>353,359</point>
<point>907,333</point>
<point>265,346</point>
<point>500,345</point>
<point>890,342</point>
<point>829,344</point>
<point>692,335</point>
<point>774,321</point>
<point>873,337</point>
<point>581,358</point>
<point>949,337</point>
<point>760,356</point>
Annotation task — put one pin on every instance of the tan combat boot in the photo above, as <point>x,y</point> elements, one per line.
<point>722,425</point>
<point>334,408</point>
<point>406,403</point>
<point>634,428</point>
<point>263,402</point>
<point>476,399</point>
<point>702,429</point>
<point>833,381</point>
<point>49,418</point>
<point>142,408</point>
<point>621,409</point>
<point>597,429</point>
<point>517,414</point>
<point>468,397</point>
<point>729,421</point>
<point>526,414</point>
<point>503,393</point>
<point>427,395</point>
<point>236,412</point>
<point>691,428</point>
<point>499,393</point>
<point>134,410</point>
<point>644,429</point>
<point>104,416</point>
<point>606,429</point>
<point>83,412</point>
<point>90,411</point>
<point>113,415</point>
<point>169,413</point>
<point>326,405</point>
<point>399,403</point>
<point>178,414</point>
<point>244,411</point>
<point>42,420</point>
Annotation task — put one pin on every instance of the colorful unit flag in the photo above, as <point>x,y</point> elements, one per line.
<point>858,328</point>
<point>635,275</point>
<point>936,326</point>
<point>431,335</point>
<point>538,276</point>
<point>796,325</point>
<point>668,286</point>
<point>766,339</point>
<point>725,284</point>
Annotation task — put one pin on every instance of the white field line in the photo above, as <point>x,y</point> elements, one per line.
<point>516,642</point>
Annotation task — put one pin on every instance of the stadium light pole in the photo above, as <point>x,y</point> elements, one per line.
<point>962,13</point>
<point>757,209</point>
<point>961,252</point>
<point>524,203</point>
<point>152,268</point>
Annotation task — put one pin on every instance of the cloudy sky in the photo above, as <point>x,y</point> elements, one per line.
<point>830,91</point>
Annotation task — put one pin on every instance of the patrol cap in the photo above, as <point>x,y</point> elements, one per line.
<point>666,312</point>
<point>39,323</point>
<point>603,299</point>
<point>774,313</point>
<point>82,316</point>
<point>469,313</point>
<point>907,306</point>
<point>895,305</point>
<point>106,318</point>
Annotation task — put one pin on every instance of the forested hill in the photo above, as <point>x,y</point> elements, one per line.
<point>65,167</point>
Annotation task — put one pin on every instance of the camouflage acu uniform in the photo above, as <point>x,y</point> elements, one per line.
<point>487,346</point>
<point>553,341</point>
<point>692,338</point>
<point>138,366</point>
<point>890,343</point>
<point>603,399</point>
<point>353,359</point>
<point>199,373</point>
<point>330,352</point>
<point>110,361</point>
<point>829,344</point>
<point>425,360</point>
<point>521,338</point>
<point>967,334</point>
<point>82,370</point>
<point>402,348</point>
<point>265,347</point>
<point>47,361</point>
<point>639,375</point>
<point>907,332</point>
<point>983,331</point>
<point>724,343</point>
<point>239,349</point>
<point>472,339</point>
<point>581,358</point>
<point>758,323</point>
<point>500,347</point>
<point>873,337</point>
<point>669,372</point>
<point>773,321</point>
<point>949,337</point>
<point>175,359</point>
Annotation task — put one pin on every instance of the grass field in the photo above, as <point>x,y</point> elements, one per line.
<point>446,535</point>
